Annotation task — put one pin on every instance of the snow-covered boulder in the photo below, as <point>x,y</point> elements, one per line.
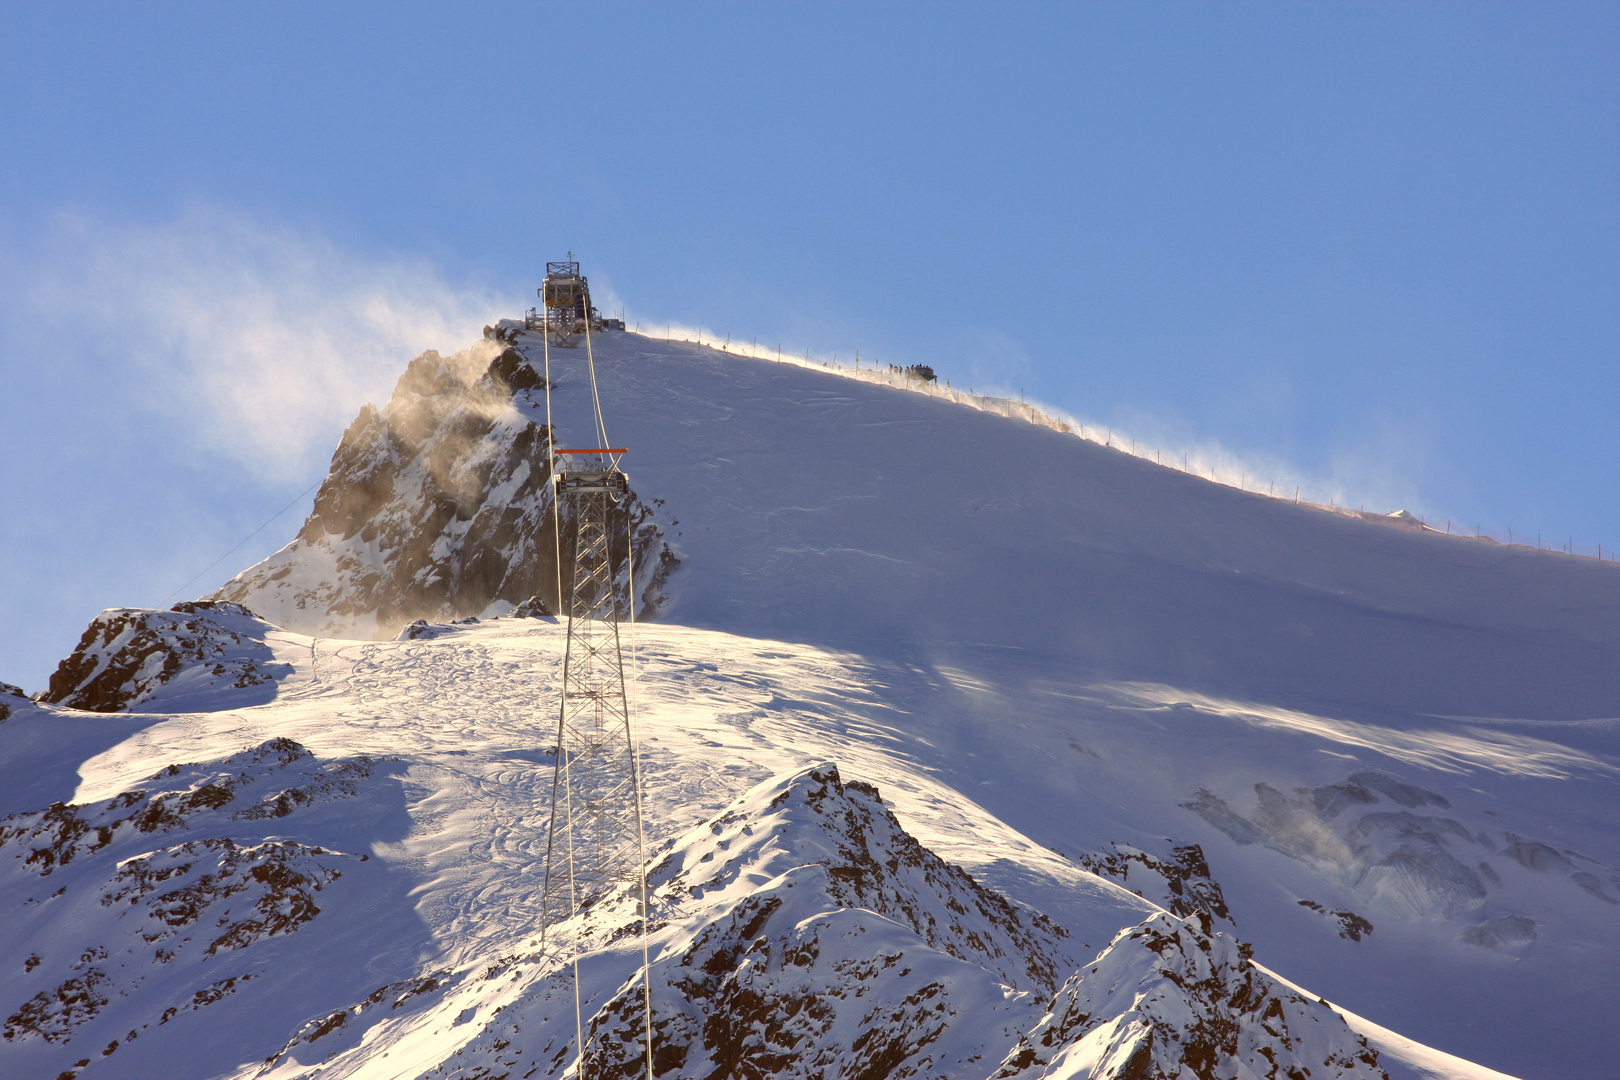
<point>128,656</point>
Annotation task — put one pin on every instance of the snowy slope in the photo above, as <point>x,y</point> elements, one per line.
<point>342,882</point>
<point>1395,750</point>
<point>1128,643</point>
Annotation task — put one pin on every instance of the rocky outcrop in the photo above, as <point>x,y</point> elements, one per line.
<point>9,691</point>
<point>269,781</point>
<point>1180,883</point>
<point>805,934</point>
<point>814,817</point>
<point>439,507</point>
<point>802,932</point>
<point>128,656</point>
<point>1167,1000</point>
<point>170,887</point>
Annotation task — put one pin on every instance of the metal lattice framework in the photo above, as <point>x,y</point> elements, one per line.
<point>596,839</point>
<point>595,844</point>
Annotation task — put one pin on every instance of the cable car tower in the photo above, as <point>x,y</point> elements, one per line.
<point>595,844</point>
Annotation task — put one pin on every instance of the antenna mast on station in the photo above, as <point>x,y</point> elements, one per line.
<point>596,843</point>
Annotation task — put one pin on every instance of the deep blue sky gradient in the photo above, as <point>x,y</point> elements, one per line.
<point>1376,243</point>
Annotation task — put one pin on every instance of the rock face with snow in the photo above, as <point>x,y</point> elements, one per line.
<point>802,932</point>
<point>438,507</point>
<point>1181,884</point>
<point>1168,1000</point>
<point>128,656</point>
<point>130,911</point>
<point>9,691</point>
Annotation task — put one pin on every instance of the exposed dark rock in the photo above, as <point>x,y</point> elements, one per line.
<point>1352,927</point>
<point>438,506</point>
<point>1181,884</point>
<point>232,896</point>
<point>180,884</point>
<point>155,884</point>
<point>283,774</point>
<point>128,654</point>
<point>873,863</point>
<point>9,691</point>
<point>1169,1001</point>
<point>532,608</point>
<point>822,940</point>
<point>382,1004</point>
<point>512,371</point>
<point>53,1014</point>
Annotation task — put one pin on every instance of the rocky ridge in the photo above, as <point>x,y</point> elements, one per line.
<point>1169,1000</point>
<point>168,891</point>
<point>9,691</point>
<point>802,932</point>
<point>127,656</point>
<point>1180,882</point>
<point>438,506</point>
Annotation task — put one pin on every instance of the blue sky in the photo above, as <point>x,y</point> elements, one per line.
<point>1371,248</point>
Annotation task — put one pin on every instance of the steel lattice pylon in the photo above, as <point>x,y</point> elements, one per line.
<point>595,841</point>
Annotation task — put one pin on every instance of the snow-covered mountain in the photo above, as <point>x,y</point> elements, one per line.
<point>973,748</point>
